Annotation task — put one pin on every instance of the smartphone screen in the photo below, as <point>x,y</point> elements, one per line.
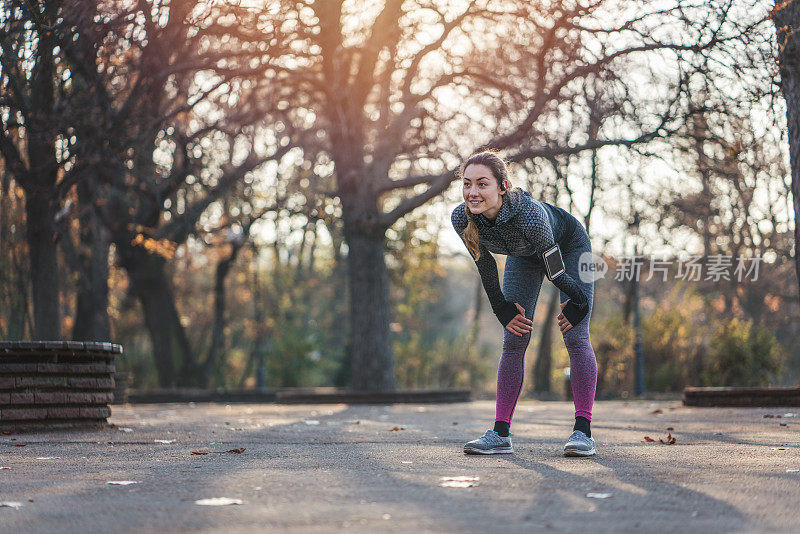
<point>553,262</point>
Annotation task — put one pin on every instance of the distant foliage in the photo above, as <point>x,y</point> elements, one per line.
<point>743,354</point>
<point>445,363</point>
<point>685,343</point>
<point>674,342</point>
<point>612,338</point>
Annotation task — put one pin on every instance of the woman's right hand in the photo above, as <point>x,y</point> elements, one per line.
<point>520,325</point>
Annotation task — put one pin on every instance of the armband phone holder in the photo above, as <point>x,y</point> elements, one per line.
<point>553,263</point>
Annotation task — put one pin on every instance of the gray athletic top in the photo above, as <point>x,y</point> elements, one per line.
<point>524,227</point>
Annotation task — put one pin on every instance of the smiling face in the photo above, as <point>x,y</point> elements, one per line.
<point>481,191</point>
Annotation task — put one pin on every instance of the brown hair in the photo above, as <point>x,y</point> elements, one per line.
<point>500,173</point>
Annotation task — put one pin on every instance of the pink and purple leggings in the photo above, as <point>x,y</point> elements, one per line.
<point>522,281</point>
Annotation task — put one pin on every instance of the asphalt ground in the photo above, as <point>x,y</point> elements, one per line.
<point>380,468</point>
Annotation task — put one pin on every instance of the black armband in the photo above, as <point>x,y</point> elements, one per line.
<point>553,262</point>
<point>575,313</point>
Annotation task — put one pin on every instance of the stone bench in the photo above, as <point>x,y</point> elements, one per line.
<point>55,384</point>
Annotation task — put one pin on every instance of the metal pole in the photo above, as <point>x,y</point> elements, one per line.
<point>259,320</point>
<point>637,329</point>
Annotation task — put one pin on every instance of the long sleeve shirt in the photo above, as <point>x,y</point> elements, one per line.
<point>524,227</point>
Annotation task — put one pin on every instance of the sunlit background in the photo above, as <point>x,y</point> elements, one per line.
<point>202,170</point>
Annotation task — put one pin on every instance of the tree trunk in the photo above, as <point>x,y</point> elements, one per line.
<point>41,203</point>
<point>43,252</point>
<point>91,314</point>
<point>151,286</point>
<point>543,367</point>
<point>787,21</point>
<point>218,332</point>
<point>372,366</point>
<point>630,290</point>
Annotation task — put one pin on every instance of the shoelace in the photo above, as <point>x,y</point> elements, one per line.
<point>492,437</point>
<point>577,435</point>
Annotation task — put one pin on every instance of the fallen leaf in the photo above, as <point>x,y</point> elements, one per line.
<point>199,452</point>
<point>396,428</point>
<point>657,410</point>
<point>648,438</point>
<point>598,495</point>
<point>237,451</point>
<point>19,444</point>
<point>669,441</point>
<point>9,504</point>
<point>164,441</point>
<point>218,501</point>
<point>122,482</point>
<point>5,433</point>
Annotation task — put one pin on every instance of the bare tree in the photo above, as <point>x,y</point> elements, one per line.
<point>147,69</point>
<point>786,17</point>
<point>31,141</point>
<point>401,92</point>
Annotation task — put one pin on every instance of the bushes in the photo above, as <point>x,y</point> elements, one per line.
<point>743,354</point>
<point>683,345</point>
<point>612,338</point>
<point>674,342</point>
<point>448,363</point>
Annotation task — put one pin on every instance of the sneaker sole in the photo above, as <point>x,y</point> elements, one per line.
<point>490,451</point>
<point>574,452</point>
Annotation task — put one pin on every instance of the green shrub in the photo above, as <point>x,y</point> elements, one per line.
<point>743,354</point>
<point>445,363</point>
<point>674,341</point>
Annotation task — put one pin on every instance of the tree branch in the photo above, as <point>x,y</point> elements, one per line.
<point>438,185</point>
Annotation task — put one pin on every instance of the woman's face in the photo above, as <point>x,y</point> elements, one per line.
<point>481,191</point>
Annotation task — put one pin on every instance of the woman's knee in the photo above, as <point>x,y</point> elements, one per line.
<point>577,338</point>
<point>512,343</point>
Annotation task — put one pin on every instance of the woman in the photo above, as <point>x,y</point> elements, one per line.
<point>495,217</point>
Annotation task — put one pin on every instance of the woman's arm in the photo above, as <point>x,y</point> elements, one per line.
<point>536,227</point>
<point>487,267</point>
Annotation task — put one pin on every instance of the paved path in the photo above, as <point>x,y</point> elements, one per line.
<point>336,467</point>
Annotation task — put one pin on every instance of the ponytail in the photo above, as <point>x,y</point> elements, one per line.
<point>470,235</point>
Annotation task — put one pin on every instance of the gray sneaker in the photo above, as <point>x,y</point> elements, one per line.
<point>579,444</point>
<point>489,443</point>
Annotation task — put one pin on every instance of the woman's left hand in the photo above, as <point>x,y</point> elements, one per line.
<point>563,323</point>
